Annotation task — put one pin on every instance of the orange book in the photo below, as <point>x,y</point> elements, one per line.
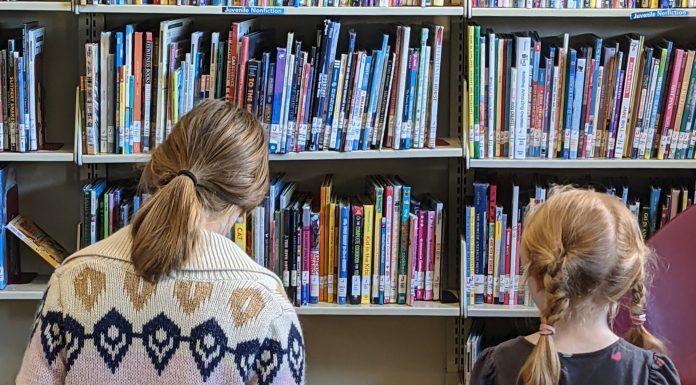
<point>325,200</point>
<point>138,95</point>
<point>331,258</point>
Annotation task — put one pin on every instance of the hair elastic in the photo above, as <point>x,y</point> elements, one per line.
<point>190,175</point>
<point>638,319</point>
<point>546,330</point>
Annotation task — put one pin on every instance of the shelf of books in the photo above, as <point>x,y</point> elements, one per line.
<point>419,308</point>
<point>62,155</point>
<point>28,291</point>
<point>492,310</point>
<point>272,10</point>
<point>628,13</point>
<point>36,6</point>
<point>583,163</point>
<point>446,148</point>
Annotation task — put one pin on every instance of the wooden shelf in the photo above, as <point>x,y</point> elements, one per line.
<point>450,148</point>
<point>62,155</point>
<point>583,12</point>
<point>420,308</point>
<point>35,6</point>
<point>511,311</point>
<point>583,163</point>
<point>272,11</point>
<point>29,291</point>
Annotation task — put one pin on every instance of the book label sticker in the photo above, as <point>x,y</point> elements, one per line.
<point>659,13</point>
<point>267,11</point>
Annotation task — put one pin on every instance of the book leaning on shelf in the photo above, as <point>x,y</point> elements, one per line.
<point>382,247</point>
<point>493,230</point>
<point>579,97</point>
<point>38,240</point>
<point>309,96</point>
<point>280,3</point>
<point>22,115</point>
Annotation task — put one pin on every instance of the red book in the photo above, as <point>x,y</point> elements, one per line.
<point>429,255</point>
<point>508,277</point>
<point>422,219</point>
<point>138,96</point>
<point>241,72</point>
<point>389,270</point>
<point>232,53</point>
<point>670,110</point>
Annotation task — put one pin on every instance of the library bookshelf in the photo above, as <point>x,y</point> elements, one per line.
<point>50,180</point>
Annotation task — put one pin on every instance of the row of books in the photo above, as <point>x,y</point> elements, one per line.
<point>309,97</point>
<point>106,208</point>
<point>278,3</point>
<point>22,116</point>
<point>381,247</point>
<point>579,97</point>
<point>492,233</point>
<point>575,4</point>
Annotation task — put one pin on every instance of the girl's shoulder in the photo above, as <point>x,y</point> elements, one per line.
<point>501,364</point>
<point>661,369</point>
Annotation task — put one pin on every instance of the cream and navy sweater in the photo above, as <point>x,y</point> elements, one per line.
<point>221,319</point>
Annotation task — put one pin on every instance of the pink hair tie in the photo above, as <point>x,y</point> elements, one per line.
<point>546,330</point>
<point>638,320</point>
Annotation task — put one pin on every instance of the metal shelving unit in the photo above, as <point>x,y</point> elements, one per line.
<point>62,155</point>
<point>272,11</point>
<point>509,311</point>
<point>581,13</point>
<point>421,308</point>
<point>29,291</point>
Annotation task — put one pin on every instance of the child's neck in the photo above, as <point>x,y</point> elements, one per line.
<point>581,335</point>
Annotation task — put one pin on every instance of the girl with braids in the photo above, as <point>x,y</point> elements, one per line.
<point>583,253</point>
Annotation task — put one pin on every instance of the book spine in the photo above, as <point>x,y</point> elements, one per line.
<point>382,265</point>
<point>147,91</point>
<point>274,141</point>
<point>343,254</point>
<point>403,245</point>
<point>377,283</point>
<point>368,230</point>
<point>306,253</point>
<point>421,256</point>
<point>523,89</point>
<point>412,258</point>
<point>627,97</point>
<point>389,217</point>
<point>435,94</point>
<point>314,271</point>
<point>356,254</point>
<point>429,252</point>
<point>137,92</point>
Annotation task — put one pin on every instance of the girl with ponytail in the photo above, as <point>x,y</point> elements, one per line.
<point>170,299</point>
<point>583,254</point>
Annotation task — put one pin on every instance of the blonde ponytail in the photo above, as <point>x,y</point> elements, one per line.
<point>214,160</point>
<point>166,231</point>
<point>637,334</point>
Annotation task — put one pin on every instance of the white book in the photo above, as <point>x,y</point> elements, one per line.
<point>435,95</point>
<point>577,107</point>
<point>424,99</point>
<point>170,31</point>
<point>287,77</point>
<point>420,85</point>
<point>522,62</point>
<point>487,151</point>
<point>513,243</point>
<point>401,89</point>
<point>553,118</point>
<point>214,46</point>
<point>352,124</point>
<point>334,139</point>
<point>627,96</point>
<point>92,106</point>
<point>36,43</point>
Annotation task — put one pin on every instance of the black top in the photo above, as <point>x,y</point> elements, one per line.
<point>617,364</point>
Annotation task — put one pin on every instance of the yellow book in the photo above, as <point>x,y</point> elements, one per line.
<point>240,232</point>
<point>324,236</point>
<point>330,252</point>
<point>470,78</point>
<point>653,4</point>
<point>497,253</point>
<point>368,217</point>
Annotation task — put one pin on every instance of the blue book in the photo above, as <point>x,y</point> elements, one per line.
<point>654,205</point>
<point>589,125</point>
<point>344,241</point>
<point>278,84</point>
<point>375,85</point>
<point>335,74</point>
<point>7,182</point>
<point>328,55</point>
<point>412,79</point>
<point>570,86</point>
<point>344,99</point>
<point>480,238</point>
<point>306,224</point>
<point>382,259</point>
<point>624,194</point>
<point>363,89</point>
<point>577,107</point>
<point>263,93</point>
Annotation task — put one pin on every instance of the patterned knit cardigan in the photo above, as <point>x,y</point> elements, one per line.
<point>219,319</point>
